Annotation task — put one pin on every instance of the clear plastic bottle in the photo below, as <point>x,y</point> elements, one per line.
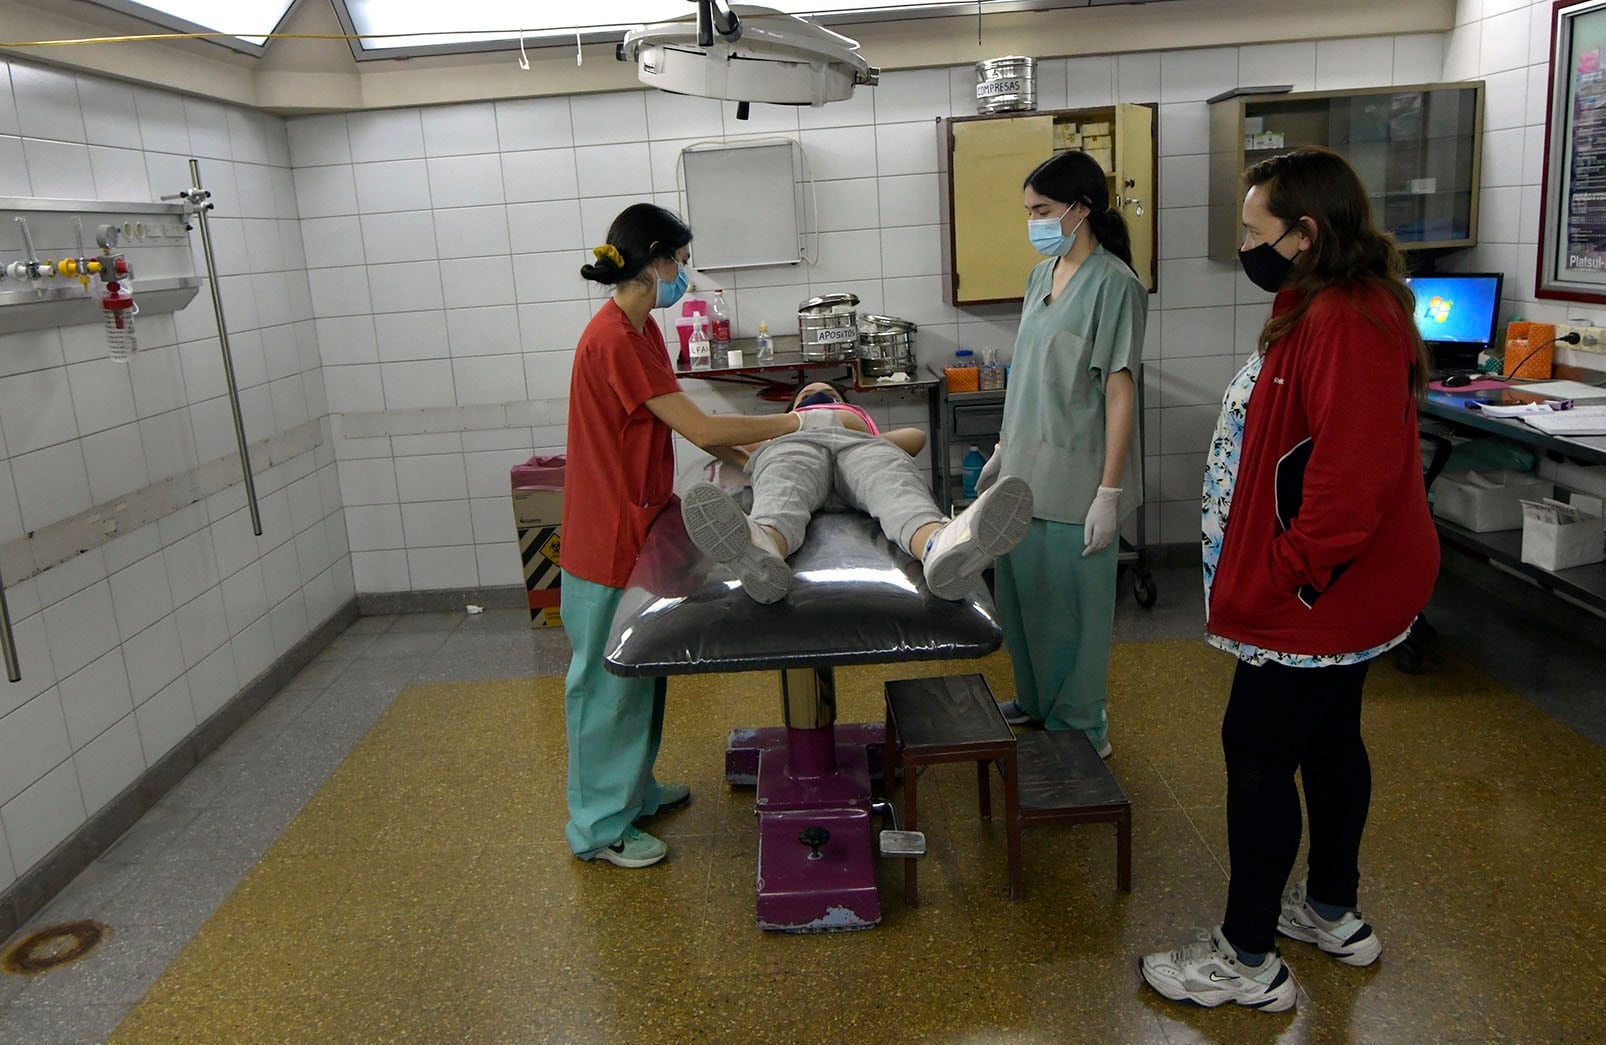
<point>992,372</point>
<point>766,344</point>
<point>701,354</point>
<point>117,311</point>
<point>719,318</point>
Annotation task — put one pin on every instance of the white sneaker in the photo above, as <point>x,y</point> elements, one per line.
<point>957,554</point>
<point>1350,939</point>
<point>1207,972</point>
<point>718,526</point>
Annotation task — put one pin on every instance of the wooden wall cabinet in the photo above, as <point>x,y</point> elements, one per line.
<point>1417,150</point>
<point>985,160</point>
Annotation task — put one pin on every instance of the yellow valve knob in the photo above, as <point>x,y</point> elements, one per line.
<point>67,267</point>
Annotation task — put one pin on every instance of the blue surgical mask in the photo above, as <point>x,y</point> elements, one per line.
<point>671,291</point>
<point>1047,237</point>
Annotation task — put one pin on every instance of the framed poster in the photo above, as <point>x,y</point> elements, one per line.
<point>1572,219</point>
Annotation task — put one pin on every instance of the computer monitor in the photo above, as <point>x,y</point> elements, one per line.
<point>1456,313</point>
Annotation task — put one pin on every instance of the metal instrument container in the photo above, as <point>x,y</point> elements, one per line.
<point>828,327</point>
<point>886,346</point>
<point>1007,84</point>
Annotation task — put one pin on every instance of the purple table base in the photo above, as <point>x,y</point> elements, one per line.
<point>744,746</point>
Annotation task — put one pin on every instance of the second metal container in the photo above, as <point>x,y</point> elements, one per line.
<point>828,326</point>
<point>1006,84</point>
<point>886,346</point>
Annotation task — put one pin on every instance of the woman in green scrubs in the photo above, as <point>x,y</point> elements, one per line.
<point>1070,430</point>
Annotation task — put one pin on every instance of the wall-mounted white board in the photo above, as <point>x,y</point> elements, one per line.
<point>741,202</point>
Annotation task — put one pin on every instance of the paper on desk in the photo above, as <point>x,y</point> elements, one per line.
<point>1519,409</point>
<point>1562,390</point>
<point>1551,511</point>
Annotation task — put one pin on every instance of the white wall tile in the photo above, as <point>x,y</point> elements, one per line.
<point>51,484</point>
<point>613,170</point>
<point>546,226</point>
<point>484,332</point>
<point>681,116</point>
<point>1363,62</point>
<point>347,339</point>
<point>318,140</point>
<point>381,571</point>
<point>398,236</point>
<point>533,123</point>
<point>331,241</point>
<point>547,174</point>
<point>164,720</point>
<point>908,95</point>
<point>1419,58</point>
<point>33,740</point>
<point>393,134</point>
<point>375,527</point>
<point>209,129</point>
<point>323,192</point>
<point>453,130</point>
<point>471,284</point>
<point>392,185</point>
<point>37,820</point>
<point>140,595</point>
<point>1263,65</point>
<point>411,335</point>
<point>435,524</point>
<point>14,168</point>
<point>81,628</point>
<point>1137,78</point>
<point>489,379</point>
<point>212,682</point>
<point>417,384</point>
<point>94,698</point>
<point>109,763</point>
<point>841,152</point>
<point>108,111</point>
<point>119,174</point>
<point>471,232</point>
<point>61,168</point>
<point>605,119</point>
<point>46,103</point>
<point>36,410</point>
<point>466,180</point>
<point>1194,75</point>
<point>437,568</point>
<point>909,200</point>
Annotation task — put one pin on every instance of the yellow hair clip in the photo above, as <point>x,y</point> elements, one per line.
<point>611,252</point>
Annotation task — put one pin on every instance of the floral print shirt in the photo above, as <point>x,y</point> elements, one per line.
<point>1221,472</point>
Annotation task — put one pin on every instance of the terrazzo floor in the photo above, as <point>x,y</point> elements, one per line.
<point>377,856</point>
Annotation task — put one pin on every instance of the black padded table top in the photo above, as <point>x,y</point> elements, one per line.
<point>856,599</point>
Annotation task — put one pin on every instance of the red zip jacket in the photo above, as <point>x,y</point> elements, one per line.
<point>1329,547</point>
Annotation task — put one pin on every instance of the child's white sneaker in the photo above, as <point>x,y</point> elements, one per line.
<point>957,554</point>
<point>718,526</point>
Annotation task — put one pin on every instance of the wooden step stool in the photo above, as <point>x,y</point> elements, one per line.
<point>1064,781</point>
<point>952,718</point>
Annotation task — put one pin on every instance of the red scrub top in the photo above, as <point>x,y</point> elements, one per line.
<point>621,466</point>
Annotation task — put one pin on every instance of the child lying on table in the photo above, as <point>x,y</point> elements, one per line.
<point>839,460</point>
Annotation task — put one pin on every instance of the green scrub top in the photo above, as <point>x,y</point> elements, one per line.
<point>1053,429</point>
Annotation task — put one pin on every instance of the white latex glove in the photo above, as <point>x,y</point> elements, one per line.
<point>1101,527</point>
<point>823,418</point>
<point>989,471</point>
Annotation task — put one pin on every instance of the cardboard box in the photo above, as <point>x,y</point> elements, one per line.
<point>1561,546</point>
<point>538,515</point>
<point>1486,501</point>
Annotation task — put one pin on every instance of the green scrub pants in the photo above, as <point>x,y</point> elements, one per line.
<point>1058,613</point>
<point>614,724</point>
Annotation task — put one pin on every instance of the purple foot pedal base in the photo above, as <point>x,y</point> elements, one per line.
<point>743,747</point>
<point>801,893</point>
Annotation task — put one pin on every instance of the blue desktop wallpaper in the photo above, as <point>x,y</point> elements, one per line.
<point>1455,308</point>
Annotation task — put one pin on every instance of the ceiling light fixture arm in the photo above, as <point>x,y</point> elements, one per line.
<point>711,19</point>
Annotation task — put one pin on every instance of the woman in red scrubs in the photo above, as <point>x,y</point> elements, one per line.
<point>624,402</point>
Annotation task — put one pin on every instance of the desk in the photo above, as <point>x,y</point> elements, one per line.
<point>1585,584</point>
<point>857,599</point>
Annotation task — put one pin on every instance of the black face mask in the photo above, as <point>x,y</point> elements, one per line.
<point>819,399</point>
<point>1266,268</point>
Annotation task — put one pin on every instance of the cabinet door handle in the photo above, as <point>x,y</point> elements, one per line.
<point>1122,201</point>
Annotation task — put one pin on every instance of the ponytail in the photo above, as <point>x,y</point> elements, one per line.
<point>1110,228</point>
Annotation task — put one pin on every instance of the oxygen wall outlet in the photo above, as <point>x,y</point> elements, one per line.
<point>1591,339</point>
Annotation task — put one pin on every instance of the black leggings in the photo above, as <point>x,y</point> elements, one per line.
<point>1280,719</point>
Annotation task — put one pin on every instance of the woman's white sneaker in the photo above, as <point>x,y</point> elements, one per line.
<point>958,553</point>
<point>1349,939</point>
<point>1207,972</point>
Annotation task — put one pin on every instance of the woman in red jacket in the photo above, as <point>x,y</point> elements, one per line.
<point>1318,554</point>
